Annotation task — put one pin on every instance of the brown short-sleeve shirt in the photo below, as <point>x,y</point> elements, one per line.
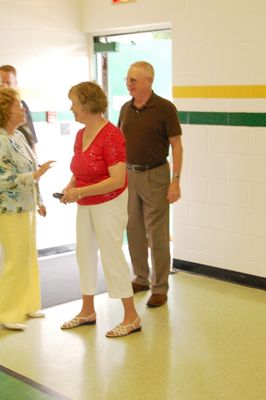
<point>147,130</point>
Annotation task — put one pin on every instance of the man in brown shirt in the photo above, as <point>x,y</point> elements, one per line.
<point>150,125</point>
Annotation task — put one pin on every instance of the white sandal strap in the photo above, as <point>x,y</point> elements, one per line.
<point>77,321</point>
<point>124,330</point>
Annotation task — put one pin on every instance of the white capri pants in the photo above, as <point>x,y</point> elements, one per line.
<point>102,227</point>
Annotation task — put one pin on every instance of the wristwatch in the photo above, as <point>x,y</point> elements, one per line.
<point>175,175</point>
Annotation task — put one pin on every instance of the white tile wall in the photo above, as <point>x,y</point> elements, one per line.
<point>257,196</point>
<point>194,189</point>
<point>224,172</point>
<point>220,219</point>
<point>258,141</point>
<point>224,198</point>
<point>247,105</point>
<point>247,221</point>
<point>221,105</point>
<point>198,143</point>
<point>247,168</point>
<point>207,215</point>
<point>44,41</point>
<point>228,139</point>
<point>207,165</point>
<point>58,227</point>
<point>223,249</point>
<point>228,193</point>
<point>249,267</point>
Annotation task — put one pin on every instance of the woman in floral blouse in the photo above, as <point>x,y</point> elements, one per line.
<point>19,194</point>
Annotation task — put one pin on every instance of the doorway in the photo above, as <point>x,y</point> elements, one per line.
<point>114,54</point>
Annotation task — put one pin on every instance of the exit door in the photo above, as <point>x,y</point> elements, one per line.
<point>114,55</point>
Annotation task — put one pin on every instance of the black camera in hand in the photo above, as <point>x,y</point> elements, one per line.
<point>58,195</point>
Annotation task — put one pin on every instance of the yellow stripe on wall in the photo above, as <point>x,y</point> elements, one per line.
<point>221,92</point>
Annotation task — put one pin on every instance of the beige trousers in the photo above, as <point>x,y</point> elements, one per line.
<point>19,275</point>
<point>148,226</point>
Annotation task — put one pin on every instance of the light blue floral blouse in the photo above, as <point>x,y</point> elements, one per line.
<point>18,190</point>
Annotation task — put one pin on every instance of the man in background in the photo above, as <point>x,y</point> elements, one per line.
<point>8,78</point>
<point>150,125</point>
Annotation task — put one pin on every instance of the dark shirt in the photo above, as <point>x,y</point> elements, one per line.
<point>28,128</point>
<point>147,130</point>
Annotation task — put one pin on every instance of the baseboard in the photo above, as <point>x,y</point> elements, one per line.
<point>220,273</point>
<point>56,250</point>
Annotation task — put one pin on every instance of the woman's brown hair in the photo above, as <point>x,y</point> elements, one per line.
<point>91,96</point>
<point>7,98</point>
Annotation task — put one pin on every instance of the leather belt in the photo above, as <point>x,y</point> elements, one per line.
<point>143,167</point>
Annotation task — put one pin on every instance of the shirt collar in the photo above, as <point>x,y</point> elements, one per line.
<point>148,104</point>
<point>3,132</point>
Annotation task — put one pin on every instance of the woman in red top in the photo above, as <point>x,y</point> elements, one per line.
<point>99,186</point>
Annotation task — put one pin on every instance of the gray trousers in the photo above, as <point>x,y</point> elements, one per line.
<point>148,226</point>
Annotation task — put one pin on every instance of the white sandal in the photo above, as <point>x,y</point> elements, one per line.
<point>124,330</point>
<point>14,326</point>
<point>36,314</point>
<point>78,321</point>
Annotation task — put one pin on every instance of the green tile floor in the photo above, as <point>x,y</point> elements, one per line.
<point>12,388</point>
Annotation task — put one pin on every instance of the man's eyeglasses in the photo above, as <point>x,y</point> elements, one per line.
<point>131,81</point>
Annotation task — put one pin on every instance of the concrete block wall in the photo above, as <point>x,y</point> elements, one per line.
<point>219,88</point>
<point>43,39</point>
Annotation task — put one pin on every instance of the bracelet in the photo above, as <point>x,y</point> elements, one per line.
<point>79,194</point>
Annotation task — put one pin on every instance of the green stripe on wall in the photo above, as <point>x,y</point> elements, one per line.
<point>41,116</point>
<point>38,116</point>
<point>222,118</point>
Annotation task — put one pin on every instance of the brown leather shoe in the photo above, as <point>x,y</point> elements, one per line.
<point>157,300</point>
<point>139,288</point>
